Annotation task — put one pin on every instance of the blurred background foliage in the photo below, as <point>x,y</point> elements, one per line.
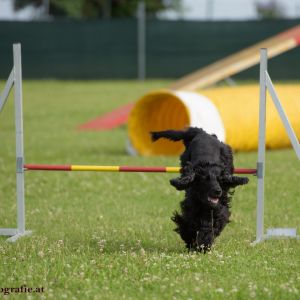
<point>94,9</point>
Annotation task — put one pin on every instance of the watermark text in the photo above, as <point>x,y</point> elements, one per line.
<point>23,289</point>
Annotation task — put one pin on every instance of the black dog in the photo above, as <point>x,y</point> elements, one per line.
<point>207,178</point>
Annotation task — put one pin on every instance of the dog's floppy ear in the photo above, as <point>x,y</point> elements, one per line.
<point>186,178</point>
<point>182,182</point>
<point>239,180</point>
<point>234,181</point>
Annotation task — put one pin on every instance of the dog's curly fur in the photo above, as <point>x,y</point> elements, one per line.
<point>207,178</point>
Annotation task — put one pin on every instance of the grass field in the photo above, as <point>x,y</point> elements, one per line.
<point>109,236</point>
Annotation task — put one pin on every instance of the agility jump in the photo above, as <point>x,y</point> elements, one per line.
<point>31,167</point>
<point>15,79</point>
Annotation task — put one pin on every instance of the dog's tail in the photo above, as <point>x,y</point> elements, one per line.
<point>176,135</point>
<point>173,135</point>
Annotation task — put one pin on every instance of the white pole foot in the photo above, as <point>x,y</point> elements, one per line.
<point>15,237</point>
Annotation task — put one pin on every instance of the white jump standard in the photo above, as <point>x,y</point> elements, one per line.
<point>15,79</point>
<point>266,84</point>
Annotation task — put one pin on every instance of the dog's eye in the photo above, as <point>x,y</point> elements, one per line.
<point>202,177</point>
<point>206,177</point>
<point>224,178</point>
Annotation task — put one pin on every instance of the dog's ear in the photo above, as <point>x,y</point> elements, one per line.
<point>186,178</point>
<point>239,180</point>
<point>234,181</point>
<point>183,182</point>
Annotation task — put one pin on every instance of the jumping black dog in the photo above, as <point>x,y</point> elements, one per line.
<point>208,180</point>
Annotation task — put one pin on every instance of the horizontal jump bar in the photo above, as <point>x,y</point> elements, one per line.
<point>31,167</point>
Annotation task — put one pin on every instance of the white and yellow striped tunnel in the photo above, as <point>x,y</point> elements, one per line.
<point>229,112</point>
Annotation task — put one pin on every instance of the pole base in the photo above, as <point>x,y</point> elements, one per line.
<point>13,233</point>
<point>277,233</point>
<point>282,233</point>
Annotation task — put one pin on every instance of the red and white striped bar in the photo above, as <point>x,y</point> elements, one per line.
<point>38,167</point>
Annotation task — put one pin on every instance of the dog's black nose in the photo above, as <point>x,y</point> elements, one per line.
<point>217,192</point>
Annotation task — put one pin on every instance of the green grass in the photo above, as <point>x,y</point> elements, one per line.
<point>109,236</point>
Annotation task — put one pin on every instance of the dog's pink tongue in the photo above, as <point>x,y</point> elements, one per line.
<point>214,200</point>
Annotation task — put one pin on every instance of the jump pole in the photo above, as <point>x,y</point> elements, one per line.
<point>95,168</point>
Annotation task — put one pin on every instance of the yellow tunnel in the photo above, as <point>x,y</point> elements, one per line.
<point>229,112</point>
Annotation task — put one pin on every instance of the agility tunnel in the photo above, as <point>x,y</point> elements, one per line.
<point>229,112</point>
